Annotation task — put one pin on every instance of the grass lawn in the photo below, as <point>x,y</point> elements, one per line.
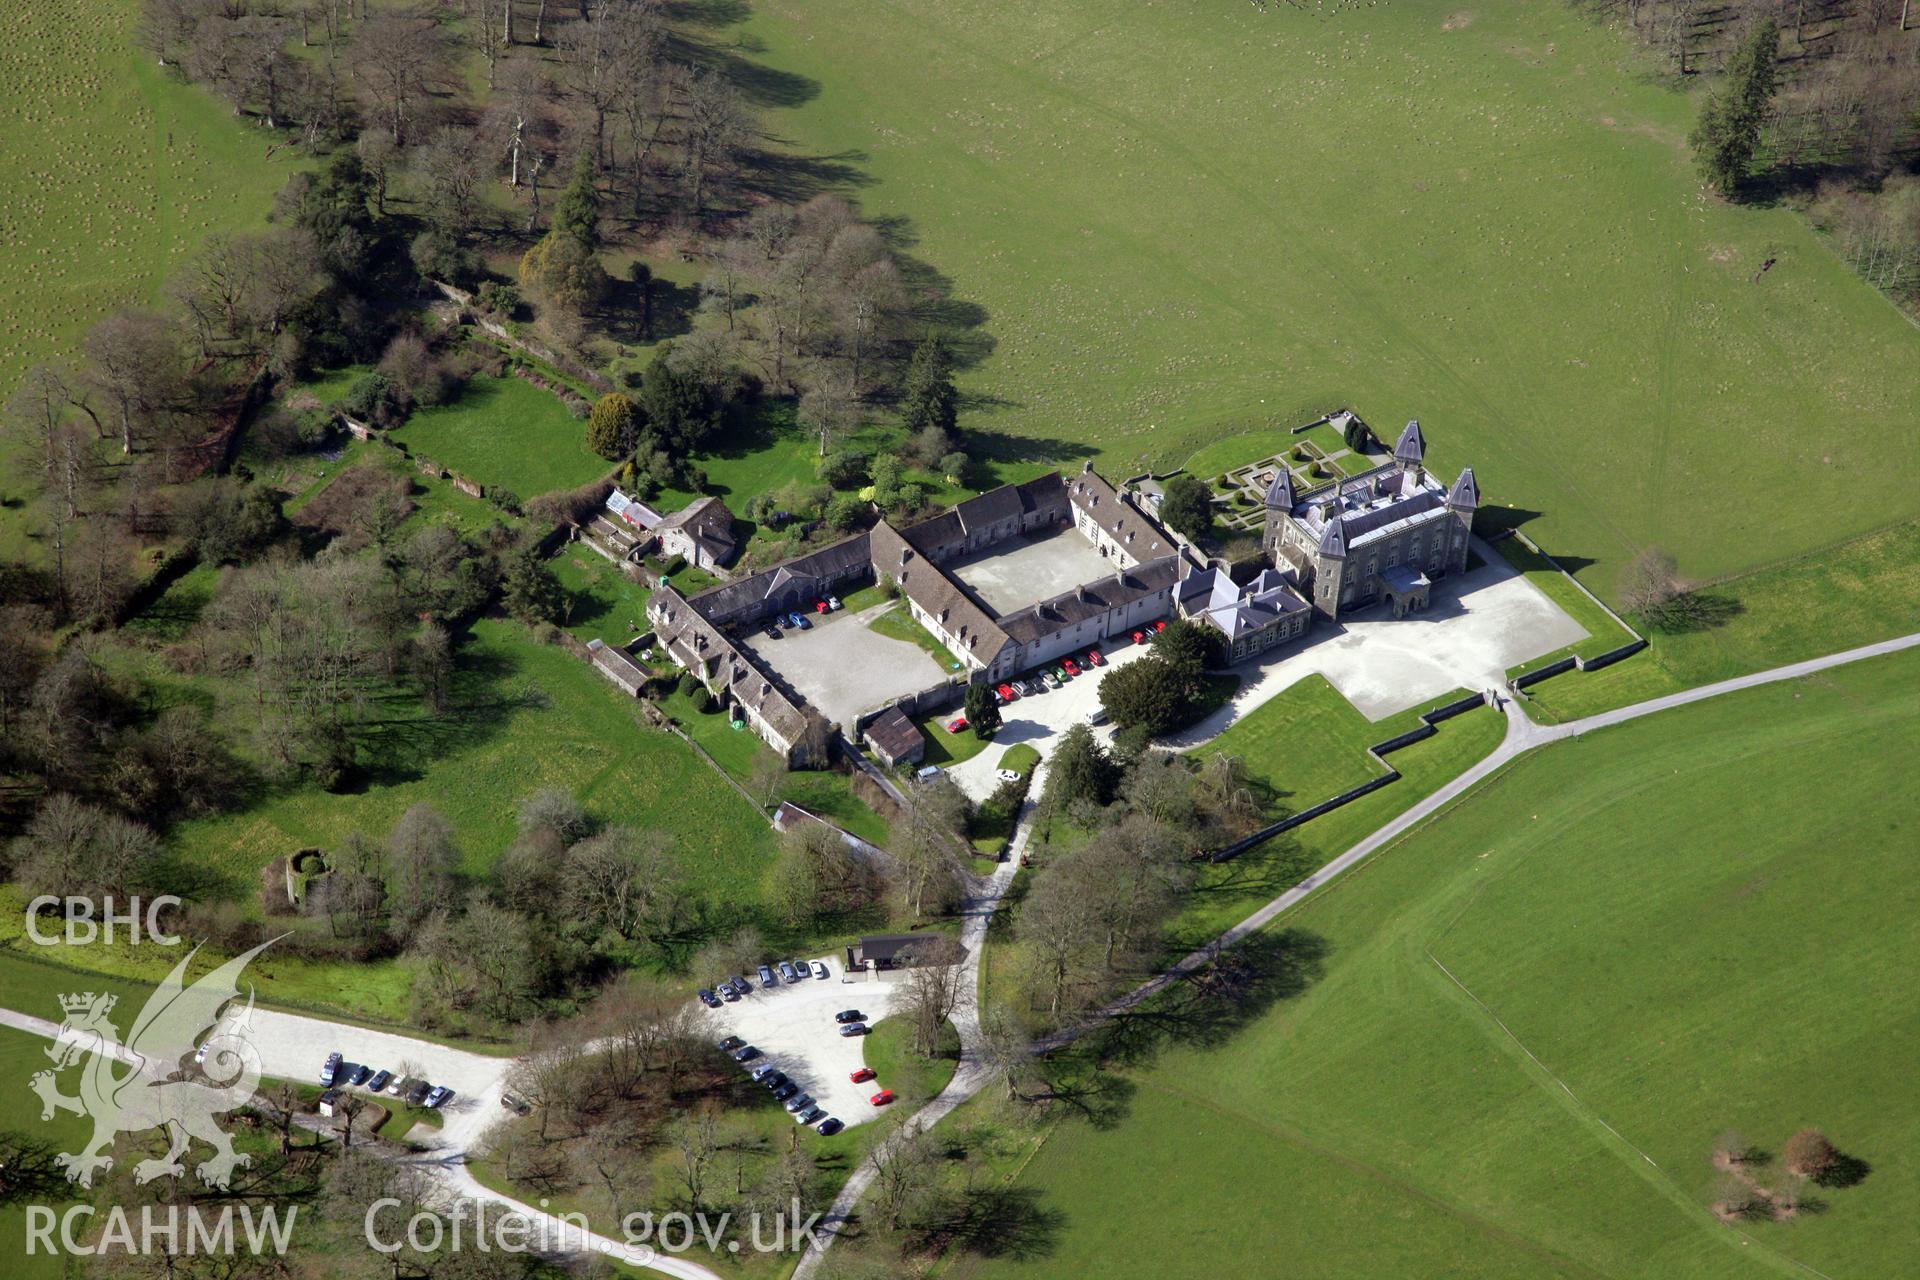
<point>898,1066</point>
<point>945,748</point>
<point>1864,591</point>
<point>604,599</point>
<point>506,433</point>
<point>899,624</point>
<point>21,1055</point>
<point>821,792</point>
<point>1689,931</point>
<point>119,170</point>
<point>1487,219</point>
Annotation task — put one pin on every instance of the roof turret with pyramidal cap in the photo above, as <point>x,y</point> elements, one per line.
<point>1411,449</point>
<point>1465,491</point>
<point>1333,538</point>
<point>1280,492</point>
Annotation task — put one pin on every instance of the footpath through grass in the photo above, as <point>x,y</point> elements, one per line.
<point>1483,217</point>
<point>1687,926</point>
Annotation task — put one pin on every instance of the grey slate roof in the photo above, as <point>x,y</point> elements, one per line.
<point>1124,523</point>
<point>975,634</point>
<point>1333,538</point>
<point>1091,600</point>
<point>1412,446</point>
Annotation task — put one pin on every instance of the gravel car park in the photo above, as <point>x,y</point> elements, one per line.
<point>793,1026</point>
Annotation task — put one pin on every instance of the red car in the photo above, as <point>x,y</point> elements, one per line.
<point>881,1098</point>
<point>1095,659</point>
<point>1138,636</point>
<point>861,1076</point>
<point>1072,667</point>
<point>1006,693</point>
<point>1159,626</point>
<point>819,606</point>
<point>956,724</point>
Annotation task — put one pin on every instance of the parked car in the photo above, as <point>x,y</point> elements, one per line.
<point>741,987</point>
<point>766,976</point>
<point>861,1076</point>
<point>1007,692</point>
<point>849,1015</point>
<point>831,1126</point>
<point>1006,775</point>
<point>1097,716</point>
<point>417,1095</point>
<point>400,1085</point>
<point>833,603</point>
<point>803,969</point>
<point>800,621</point>
<point>793,619</point>
<point>881,1098</point>
<point>1137,635</point>
<point>1158,625</point>
<point>799,1102</point>
<point>708,998</point>
<point>786,972</point>
<point>819,606</point>
<point>785,1091</point>
<point>854,1029</point>
<point>956,724</point>
<point>516,1104</point>
<point>1052,681</point>
<point>771,632</point>
<point>764,1070</point>
<point>745,1053</point>
<point>773,1080</point>
<point>1071,667</point>
<point>821,971</point>
<point>730,1043</point>
<point>438,1096</point>
<point>331,1069</point>
<point>1060,674</point>
<point>727,992</point>
<point>808,1115</point>
<point>354,1073</point>
<point>1095,658</point>
<point>380,1081</point>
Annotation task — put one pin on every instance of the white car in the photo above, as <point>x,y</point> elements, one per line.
<point>820,969</point>
<point>1006,775</point>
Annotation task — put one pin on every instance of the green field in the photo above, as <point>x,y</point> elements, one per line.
<point>21,1055</point>
<point>1196,218</point>
<point>117,171</point>
<point>506,433</point>
<point>606,604</point>
<point>1682,927</point>
<point>527,716</point>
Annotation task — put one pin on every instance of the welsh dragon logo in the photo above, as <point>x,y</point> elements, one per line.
<point>155,1092</point>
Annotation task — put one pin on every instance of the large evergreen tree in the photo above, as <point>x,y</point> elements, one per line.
<point>1727,134</point>
<point>929,399</point>
<point>983,713</point>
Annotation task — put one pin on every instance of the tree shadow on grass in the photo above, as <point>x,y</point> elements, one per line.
<point>993,1222</point>
<point>1208,1007</point>
<point>1845,1171</point>
<point>1692,612</point>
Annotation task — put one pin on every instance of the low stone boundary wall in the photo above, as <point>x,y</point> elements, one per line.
<point>1377,752</point>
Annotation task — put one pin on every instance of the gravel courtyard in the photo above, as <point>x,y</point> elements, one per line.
<point>842,666</point>
<point>1020,571</point>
